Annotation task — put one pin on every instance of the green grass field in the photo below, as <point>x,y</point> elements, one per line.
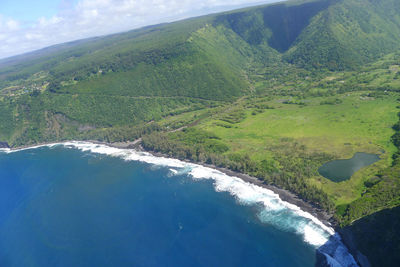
<point>358,124</point>
<point>273,91</point>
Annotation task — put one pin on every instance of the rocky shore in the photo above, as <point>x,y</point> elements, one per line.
<point>4,145</point>
<point>285,195</point>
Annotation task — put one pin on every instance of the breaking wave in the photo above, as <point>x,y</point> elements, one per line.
<point>274,211</point>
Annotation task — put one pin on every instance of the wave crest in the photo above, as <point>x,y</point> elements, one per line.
<point>276,212</point>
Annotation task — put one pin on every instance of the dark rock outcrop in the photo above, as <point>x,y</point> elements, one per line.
<point>334,254</point>
<point>376,237</point>
<point>4,145</point>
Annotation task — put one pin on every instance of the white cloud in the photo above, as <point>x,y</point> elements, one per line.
<point>43,22</point>
<point>12,24</point>
<point>98,17</point>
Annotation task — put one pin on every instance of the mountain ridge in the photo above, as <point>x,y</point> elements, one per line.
<point>185,86</point>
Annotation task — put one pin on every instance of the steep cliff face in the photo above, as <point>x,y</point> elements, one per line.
<point>376,237</point>
<point>330,34</point>
<point>347,34</point>
<point>115,87</point>
<point>335,254</point>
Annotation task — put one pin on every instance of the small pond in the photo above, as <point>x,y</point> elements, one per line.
<point>343,169</point>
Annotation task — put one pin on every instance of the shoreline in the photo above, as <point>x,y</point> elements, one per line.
<point>337,240</point>
<point>284,195</point>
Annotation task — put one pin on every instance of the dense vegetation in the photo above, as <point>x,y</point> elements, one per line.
<point>205,147</point>
<point>273,91</point>
<point>377,236</point>
<point>382,191</point>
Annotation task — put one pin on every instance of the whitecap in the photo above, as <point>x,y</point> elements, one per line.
<point>274,211</point>
<point>336,253</point>
<point>281,214</point>
<point>4,150</point>
<point>9,150</point>
<point>173,171</point>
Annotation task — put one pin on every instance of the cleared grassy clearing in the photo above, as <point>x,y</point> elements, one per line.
<point>357,124</point>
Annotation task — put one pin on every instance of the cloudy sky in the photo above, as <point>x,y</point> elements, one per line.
<point>27,25</point>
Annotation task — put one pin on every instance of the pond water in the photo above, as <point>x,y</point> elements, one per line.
<point>343,169</point>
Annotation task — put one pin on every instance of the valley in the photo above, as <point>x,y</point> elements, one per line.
<point>273,91</point>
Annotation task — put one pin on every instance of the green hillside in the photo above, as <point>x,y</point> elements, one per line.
<point>347,34</point>
<point>211,58</point>
<point>273,91</point>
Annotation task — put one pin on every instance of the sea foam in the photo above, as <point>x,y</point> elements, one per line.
<point>274,211</point>
<point>277,212</point>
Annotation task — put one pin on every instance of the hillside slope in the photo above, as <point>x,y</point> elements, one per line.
<point>122,80</point>
<point>347,34</point>
<point>273,91</point>
<point>211,58</point>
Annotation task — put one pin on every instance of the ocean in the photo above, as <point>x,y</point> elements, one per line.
<point>84,204</point>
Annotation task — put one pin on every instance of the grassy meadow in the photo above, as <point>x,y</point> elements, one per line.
<point>273,91</point>
<point>357,124</point>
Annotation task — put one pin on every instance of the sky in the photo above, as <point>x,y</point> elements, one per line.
<point>27,25</point>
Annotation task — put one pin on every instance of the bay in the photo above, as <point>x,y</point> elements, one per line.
<point>63,206</point>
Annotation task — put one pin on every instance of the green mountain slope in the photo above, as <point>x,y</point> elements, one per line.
<point>320,34</point>
<point>276,25</point>
<point>122,80</point>
<point>347,34</point>
<point>206,66</point>
<point>273,91</point>
<point>134,78</point>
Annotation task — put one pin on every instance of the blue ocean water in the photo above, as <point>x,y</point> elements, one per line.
<point>63,206</point>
